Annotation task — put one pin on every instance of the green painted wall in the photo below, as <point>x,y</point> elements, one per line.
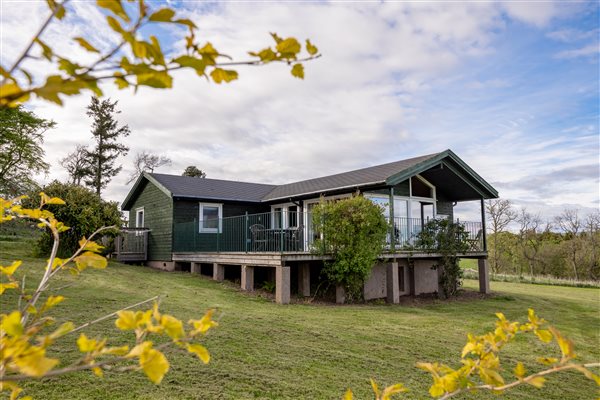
<point>158,217</point>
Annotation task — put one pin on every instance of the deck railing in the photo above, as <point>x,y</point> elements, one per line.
<point>289,232</point>
<point>132,244</point>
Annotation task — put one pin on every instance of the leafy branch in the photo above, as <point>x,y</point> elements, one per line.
<point>481,364</point>
<point>23,337</point>
<point>136,61</point>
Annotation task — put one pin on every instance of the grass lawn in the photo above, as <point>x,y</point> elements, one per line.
<point>266,351</point>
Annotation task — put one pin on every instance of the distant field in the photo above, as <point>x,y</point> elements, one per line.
<point>266,351</point>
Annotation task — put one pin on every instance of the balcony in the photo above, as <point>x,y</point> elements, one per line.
<point>294,232</point>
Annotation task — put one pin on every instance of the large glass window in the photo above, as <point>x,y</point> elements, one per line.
<point>210,217</point>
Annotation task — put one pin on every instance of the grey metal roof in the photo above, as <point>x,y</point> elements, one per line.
<point>350,179</point>
<point>204,188</point>
<point>473,186</point>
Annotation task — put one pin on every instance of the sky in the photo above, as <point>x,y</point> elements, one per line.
<point>511,87</point>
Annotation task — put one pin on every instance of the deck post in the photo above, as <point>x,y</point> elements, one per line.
<point>304,279</point>
<point>195,268</point>
<point>282,284</point>
<point>483,227</point>
<point>411,278</point>
<point>218,272</point>
<point>484,276</point>
<point>247,278</point>
<point>340,294</point>
<point>392,283</point>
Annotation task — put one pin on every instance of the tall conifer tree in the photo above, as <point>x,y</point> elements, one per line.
<point>106,133</point>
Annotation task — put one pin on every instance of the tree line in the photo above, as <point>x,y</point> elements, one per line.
<point>22,155</point>
<point>524,243</point>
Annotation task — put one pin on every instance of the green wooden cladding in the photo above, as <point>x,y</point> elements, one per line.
<point>158,217</point>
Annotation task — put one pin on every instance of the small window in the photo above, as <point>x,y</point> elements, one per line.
<point>292,217</point>
<point>210,217</point>
<point>139,218</point>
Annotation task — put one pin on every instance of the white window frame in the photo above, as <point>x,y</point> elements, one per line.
<point>138,211</point>
<point>201,228</point>
<point>285,210</point>
<point>317,200</point>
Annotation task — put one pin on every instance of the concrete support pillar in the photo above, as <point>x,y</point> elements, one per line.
<point>340,294</point>
<point>411,279</point>
<point>392,283</point>
<point>195,268</point>
<point>218,272</point>
<point>247,278</point>
<point>484,275</point>
<point>304,279</point>
<point>282,285</point>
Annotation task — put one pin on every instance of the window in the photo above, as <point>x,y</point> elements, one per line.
<point>139,218</point>
<point>210,217</point>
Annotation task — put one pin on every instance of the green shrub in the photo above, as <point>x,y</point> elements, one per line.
<point>84,212</point>
<point>354,233</point>
<point>447,238</point>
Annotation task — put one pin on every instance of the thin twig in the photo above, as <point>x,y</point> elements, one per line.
<point>113,314</point>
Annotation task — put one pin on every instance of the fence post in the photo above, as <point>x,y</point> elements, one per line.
<point>194,233</point>
<point>246,232</point>
<point>281,236</point>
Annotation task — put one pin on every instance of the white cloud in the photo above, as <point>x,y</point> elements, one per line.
<point>366,101</point>
<point>592,49</point>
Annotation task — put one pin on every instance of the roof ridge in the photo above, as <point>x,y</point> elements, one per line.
<point>211,179</point>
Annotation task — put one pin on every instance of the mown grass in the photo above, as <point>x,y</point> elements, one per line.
<point>265,351</point>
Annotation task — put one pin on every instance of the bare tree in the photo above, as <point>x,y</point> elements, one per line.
<point>529,236</point>
<point>145,161</point>
<point>76,164</point>
<point>501,214</point>
<point>592,228</point>
<point>571,225</point>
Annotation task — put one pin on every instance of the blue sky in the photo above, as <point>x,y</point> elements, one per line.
<point>511,87</point>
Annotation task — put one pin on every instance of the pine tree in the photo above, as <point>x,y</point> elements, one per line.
<point>106,133</point>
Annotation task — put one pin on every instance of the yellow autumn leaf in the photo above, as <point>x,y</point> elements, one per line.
<point>9,285</point>
<point>374,387</point>
<point>220,75</point>
<point>289,47</point>
<point>544,335</point>
<point>62,330</point>
<point>115,7</point>
<point>117,351</point>
<point>90,245</point>
<point>348,395</point>
<point>298,71</point>
<point>51,200</point>
<point>89,259</point>
<point>10,270</point>
<point>312,50</point>
<point>86,45</point>
<point>173,326</point>
<point>520,370</point>
<point>537,381</point>
<point>566,345</point>
<point>11,324</point>
<point>162,15</point>
<point>85,344</point>
<point>155,365</point>
<point>200,351</point>
<point>547,360</point>
<point>98,371</point>
<point>35,363</point>
<point>203,324</point>
<point>126,320</point>
<point>389,391</point>
<point>51,302</point>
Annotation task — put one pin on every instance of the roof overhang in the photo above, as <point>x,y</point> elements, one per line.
<point>138,186</point>
<point>452,175</point>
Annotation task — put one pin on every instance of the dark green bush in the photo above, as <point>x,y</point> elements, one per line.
<point>84,213</point>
